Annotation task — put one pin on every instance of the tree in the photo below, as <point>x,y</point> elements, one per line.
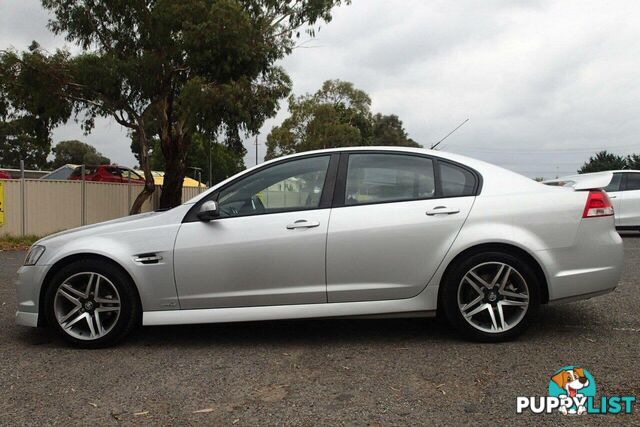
<point>603,161</point>
<point>337,115</point>
<point>633,161</point>
<point>187,67</point>
<point>225,161</point>
<point>29,109</point>
<point>77,152</point>
<point>388,130</point>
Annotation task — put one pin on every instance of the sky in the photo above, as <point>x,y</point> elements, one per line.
<point>544,84</point>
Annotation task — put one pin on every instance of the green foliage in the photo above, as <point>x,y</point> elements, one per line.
<point>29,106</point>
<point>337,115</point>
<point>171,69</point>
<point>77,152</point>
<point>388,130</point>
<point>225,161</point>
<point>603,161</point>
<point>633,161</point>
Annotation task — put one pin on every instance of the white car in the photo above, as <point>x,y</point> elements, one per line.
<point>346,232</point>
<point>623,188</point>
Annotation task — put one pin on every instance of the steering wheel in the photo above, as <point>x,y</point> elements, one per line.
<point>252,205</point>
<point>229,211</point>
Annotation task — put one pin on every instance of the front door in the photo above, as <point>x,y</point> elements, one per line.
<point>394,224</point>
<point>268,245</point>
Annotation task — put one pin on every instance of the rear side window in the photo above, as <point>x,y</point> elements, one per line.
<point>633,181</point>
<point>614,185</point>
<point>456,181</point>
<point>377,178</point>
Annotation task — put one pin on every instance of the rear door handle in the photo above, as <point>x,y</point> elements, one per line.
<point>303,223</point>
<point>442,210</point>
<point>612,197</point>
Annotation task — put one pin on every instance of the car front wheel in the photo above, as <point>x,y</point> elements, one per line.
<point>91,304</point>
<point>491,296</point>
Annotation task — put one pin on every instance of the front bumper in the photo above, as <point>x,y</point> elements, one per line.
<point>27,319</point>
<point>28,283</point>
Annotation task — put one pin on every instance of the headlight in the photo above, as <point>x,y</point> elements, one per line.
<point>34,255</point>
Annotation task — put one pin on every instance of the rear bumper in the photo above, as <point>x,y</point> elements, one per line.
<point>592,266</point>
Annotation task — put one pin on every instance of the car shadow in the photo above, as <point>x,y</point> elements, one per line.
<point>629,234</point>
<point>308,332</point>
<point>314,333</point>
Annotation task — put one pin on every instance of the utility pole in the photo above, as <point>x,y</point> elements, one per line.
<point>210,176</point>
<point>256,144</point>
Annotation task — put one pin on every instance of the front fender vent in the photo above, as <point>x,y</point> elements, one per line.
<point>148,258</point>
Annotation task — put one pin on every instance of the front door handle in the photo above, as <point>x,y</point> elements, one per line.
<point>303,223</point>
<point>612,197</point>
<point>442,210</point>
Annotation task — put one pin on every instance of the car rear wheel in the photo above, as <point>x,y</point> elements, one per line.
<point>92,304</point>
<point>491,296</point>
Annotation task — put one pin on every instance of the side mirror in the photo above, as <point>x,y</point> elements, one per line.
<point>208,211</point>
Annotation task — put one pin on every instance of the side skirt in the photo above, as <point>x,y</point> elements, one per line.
<point>413,307</point>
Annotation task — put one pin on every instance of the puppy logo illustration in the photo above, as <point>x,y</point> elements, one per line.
<point>574,383</point>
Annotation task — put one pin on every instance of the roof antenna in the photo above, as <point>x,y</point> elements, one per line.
<point>433,147</point>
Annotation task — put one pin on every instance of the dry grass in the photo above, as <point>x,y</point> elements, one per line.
<point>16,243</point>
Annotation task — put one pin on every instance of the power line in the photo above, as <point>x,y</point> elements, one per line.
<point>546,151</point>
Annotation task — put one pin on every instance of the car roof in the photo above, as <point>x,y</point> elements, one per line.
<point>495,179</point>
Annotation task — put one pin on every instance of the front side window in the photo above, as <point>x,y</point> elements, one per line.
<point>614,185</point>
<point>113,171</point>
<point>633,181</point>
<point>456,181</point>
<point>294,185</point>
<point>376,178</point>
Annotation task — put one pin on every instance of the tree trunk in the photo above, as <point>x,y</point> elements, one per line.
<point>149,185</point>
<point>174,150</point>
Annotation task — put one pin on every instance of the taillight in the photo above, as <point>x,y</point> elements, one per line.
<point>598,204</point>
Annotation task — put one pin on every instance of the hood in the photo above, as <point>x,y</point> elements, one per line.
<point>97,228</point>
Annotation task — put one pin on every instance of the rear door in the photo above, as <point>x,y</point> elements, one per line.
<point>630,210</point>
<point>614,191</point>
<point>395,217</point>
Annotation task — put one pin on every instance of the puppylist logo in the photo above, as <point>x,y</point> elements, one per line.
<point>572,391</point>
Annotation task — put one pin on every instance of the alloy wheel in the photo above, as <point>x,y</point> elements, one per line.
<point>87,305</point>
<point>493,297</point>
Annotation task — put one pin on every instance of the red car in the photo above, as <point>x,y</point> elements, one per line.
<point>5,175</point>
<point>107,173</point>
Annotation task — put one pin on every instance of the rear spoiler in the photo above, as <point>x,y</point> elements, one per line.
<point>584,182</point>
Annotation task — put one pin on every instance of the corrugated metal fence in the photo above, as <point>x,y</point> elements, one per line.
<point>41,207</point>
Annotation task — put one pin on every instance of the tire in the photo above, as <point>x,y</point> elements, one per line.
<point>92,304</point>
<point>495,300</point>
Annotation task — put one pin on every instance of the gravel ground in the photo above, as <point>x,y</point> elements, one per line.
<point>326,372</point>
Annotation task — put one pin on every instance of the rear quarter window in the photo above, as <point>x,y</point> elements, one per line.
<point>456,181</point>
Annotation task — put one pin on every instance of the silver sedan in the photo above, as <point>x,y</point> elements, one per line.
<point>333,233</point>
